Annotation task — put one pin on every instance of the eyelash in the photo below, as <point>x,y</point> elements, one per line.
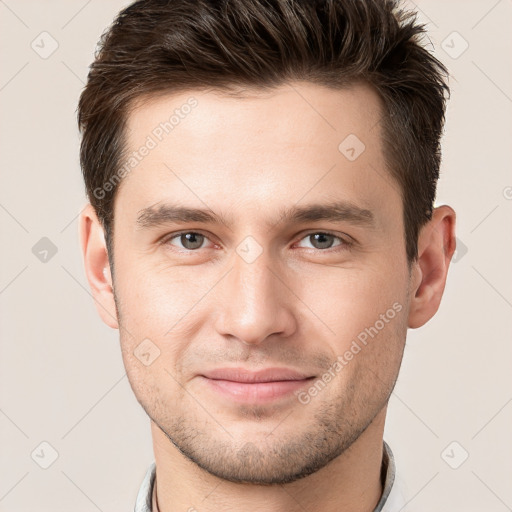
<point>345,243</point>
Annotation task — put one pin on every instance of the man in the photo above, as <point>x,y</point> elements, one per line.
<point>261,231</point>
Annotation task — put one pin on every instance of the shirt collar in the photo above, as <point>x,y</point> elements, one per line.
<point>145,494</point>
<point>144,499</point>
<point>387,475</point>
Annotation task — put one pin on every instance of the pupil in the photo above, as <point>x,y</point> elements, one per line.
<point>320,238</point>
<point>191,240</point>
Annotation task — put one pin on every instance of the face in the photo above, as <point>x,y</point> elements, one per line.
<point>293,270</point>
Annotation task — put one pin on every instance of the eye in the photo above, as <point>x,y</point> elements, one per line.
<point>321,240</point>
<point>189,240</point>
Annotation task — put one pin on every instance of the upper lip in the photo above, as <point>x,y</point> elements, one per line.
<point>266,375</point>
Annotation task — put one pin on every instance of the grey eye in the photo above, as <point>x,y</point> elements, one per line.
<point>191,240</point>
<point>322,240</point>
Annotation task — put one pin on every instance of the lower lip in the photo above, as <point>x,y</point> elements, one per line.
<point>256,391</point>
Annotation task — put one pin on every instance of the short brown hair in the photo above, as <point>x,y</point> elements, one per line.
<point>159,46</point>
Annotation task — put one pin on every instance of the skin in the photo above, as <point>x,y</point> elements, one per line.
<point>298,304</point>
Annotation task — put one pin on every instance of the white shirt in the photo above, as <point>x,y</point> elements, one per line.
<point>392,499</point>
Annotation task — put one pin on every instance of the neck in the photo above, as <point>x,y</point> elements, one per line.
<point>351,482</point>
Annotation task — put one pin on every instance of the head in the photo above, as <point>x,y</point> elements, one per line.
<point>262,176</point>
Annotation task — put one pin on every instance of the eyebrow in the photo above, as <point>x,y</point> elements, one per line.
<point>156,215</point>
<point>339,211</point>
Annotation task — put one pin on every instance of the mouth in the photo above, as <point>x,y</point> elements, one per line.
<point>240,385</point>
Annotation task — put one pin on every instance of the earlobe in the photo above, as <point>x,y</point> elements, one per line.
<point>97,266</point>
<point>436,245</point>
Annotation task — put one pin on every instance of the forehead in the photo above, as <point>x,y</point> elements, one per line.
<point>294,112</point>
<point>256,148</point>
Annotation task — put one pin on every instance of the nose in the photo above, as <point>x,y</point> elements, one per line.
<point>255,303</point>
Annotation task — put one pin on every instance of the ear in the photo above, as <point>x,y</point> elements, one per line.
<point>436,245</point>
<point>97,265</point>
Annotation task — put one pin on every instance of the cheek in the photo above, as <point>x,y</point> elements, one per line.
<point>159,304</point>
<point>350,300</point>
<point>367,313</point>
<point>157,298</point>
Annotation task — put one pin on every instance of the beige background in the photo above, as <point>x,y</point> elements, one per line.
<point>61,376</point>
